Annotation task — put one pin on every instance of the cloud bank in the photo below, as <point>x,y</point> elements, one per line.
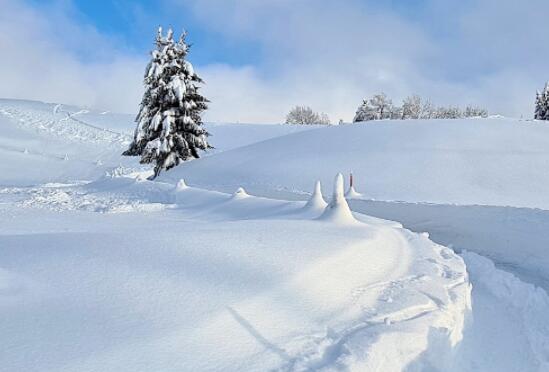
<point>325,54</point>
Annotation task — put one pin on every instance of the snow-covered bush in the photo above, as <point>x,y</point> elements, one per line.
<point>169,124</point>
<point>306,115</point>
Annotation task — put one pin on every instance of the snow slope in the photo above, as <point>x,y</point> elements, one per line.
<point>100,270</point>
<point>472,161</point>
<point>212,281</point>
<point>41,143</point>
<point>59,143</point>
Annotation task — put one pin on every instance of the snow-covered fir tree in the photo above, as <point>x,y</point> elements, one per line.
<point>169,124</point>
<point>542,104</point>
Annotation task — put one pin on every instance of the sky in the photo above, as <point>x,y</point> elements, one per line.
<point>260,58</point>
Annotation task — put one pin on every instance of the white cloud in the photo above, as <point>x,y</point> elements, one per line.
<point>47,56</point>
<point>325,54</point>
<point>331,54</point>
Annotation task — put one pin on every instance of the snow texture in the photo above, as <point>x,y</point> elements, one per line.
<point>101,269</point>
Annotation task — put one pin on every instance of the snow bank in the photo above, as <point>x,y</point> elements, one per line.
<point>515,238</point>
<point>509,325</point>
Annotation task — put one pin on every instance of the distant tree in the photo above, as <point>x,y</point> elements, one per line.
<point>365,112</point>
<point>379,107</point>
<point>382,106</point>
<point>306,116</point>
<point>475,112</point>
<point>325,119</point>
<point>542,104</point>
<point>454,112</point>
<point>541,107</point>
<point>411,107</point>
<point>169,124</point>
<point>396,113</point>
<point>441,112</point>
<point>427,110</point>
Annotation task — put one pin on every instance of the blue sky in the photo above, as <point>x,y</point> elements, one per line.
<point>133,24</point>
<point>260,58</point>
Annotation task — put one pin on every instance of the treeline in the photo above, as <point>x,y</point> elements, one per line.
<point>380,107</point>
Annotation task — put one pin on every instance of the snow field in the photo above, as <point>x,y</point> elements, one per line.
<point>217,281</point>
<point>103,270</point>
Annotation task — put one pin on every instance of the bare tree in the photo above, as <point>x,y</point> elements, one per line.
<point>382,106</point>
<point>475,112</point>
<point>427,110</point>
<point>411,107</point>
<point>378,107</point>
<point>305,115</point>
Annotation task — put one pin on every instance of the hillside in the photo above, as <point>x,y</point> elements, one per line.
<point>501,162</point>
<point>101,269</point>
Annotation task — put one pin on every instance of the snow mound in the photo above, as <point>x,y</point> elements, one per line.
<point>352,193</point>
<point>316,203</point>
<point>240,193</point>
<point>181,185</point>
<point>338,210</point>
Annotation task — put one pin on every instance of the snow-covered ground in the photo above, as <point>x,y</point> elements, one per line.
<point>101,270</point>
<point>500,162</point>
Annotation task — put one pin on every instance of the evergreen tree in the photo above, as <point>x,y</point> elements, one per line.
<point>545,102</point>
<point>539,113</point>
<point>169,124</point>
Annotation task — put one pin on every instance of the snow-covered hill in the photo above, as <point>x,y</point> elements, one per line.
<point>472,161</point>
<point>102,270</point>
<point>59,143</point>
